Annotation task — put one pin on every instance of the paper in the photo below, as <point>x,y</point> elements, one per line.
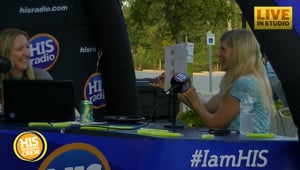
<point>178,59</point>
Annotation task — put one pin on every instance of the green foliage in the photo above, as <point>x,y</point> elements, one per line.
<point>191,118</point>
<point>139,58</point>
<point>155,24</point>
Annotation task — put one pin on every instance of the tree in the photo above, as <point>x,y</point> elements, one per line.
<point>155,24</point>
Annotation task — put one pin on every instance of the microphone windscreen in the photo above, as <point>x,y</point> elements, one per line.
<point>181,81</point>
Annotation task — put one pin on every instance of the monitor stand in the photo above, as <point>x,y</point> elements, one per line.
<point>173,110</point>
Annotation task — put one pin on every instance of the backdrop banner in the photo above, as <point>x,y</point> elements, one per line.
<point>64,43</point>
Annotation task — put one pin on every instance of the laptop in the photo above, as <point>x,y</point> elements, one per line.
<point>38,100</point>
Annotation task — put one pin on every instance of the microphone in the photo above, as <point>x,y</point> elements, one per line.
<point>5,64</point>
<point>180,83</point>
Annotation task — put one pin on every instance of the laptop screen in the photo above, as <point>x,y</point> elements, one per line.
<point>38,100</point>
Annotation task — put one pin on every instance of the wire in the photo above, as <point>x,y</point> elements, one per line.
<point>98,59</point>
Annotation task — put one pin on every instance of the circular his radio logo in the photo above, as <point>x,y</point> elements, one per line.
<point>30,146</point>
<point>44,50</point>
<point>94,91</point>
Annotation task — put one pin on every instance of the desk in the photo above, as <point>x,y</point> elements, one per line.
<point>124,149</point>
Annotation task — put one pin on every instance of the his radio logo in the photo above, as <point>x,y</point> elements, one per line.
<point>44,51</point>
<point>94,91</point>
<point>273,17</point>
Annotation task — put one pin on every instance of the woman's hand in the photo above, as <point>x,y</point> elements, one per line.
<point>159,81</point>
<point>191,98</point>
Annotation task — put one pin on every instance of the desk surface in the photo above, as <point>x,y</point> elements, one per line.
<point>123,148</point>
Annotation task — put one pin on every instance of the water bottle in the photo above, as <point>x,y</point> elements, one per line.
<point>246,115</point>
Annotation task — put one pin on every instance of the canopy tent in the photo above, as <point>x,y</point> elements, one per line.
<point>282,48</point>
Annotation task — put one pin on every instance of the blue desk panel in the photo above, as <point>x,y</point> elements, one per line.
<point>126,150</point>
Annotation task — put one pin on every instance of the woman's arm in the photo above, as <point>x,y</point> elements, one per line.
<point>211,105</point>
<point>223,115</point>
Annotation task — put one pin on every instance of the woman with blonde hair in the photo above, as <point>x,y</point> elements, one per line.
<point>241,59</point>
<point>14,45</point>
<point>245,73</point>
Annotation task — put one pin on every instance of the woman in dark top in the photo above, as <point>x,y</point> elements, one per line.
<point>14,45</point>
